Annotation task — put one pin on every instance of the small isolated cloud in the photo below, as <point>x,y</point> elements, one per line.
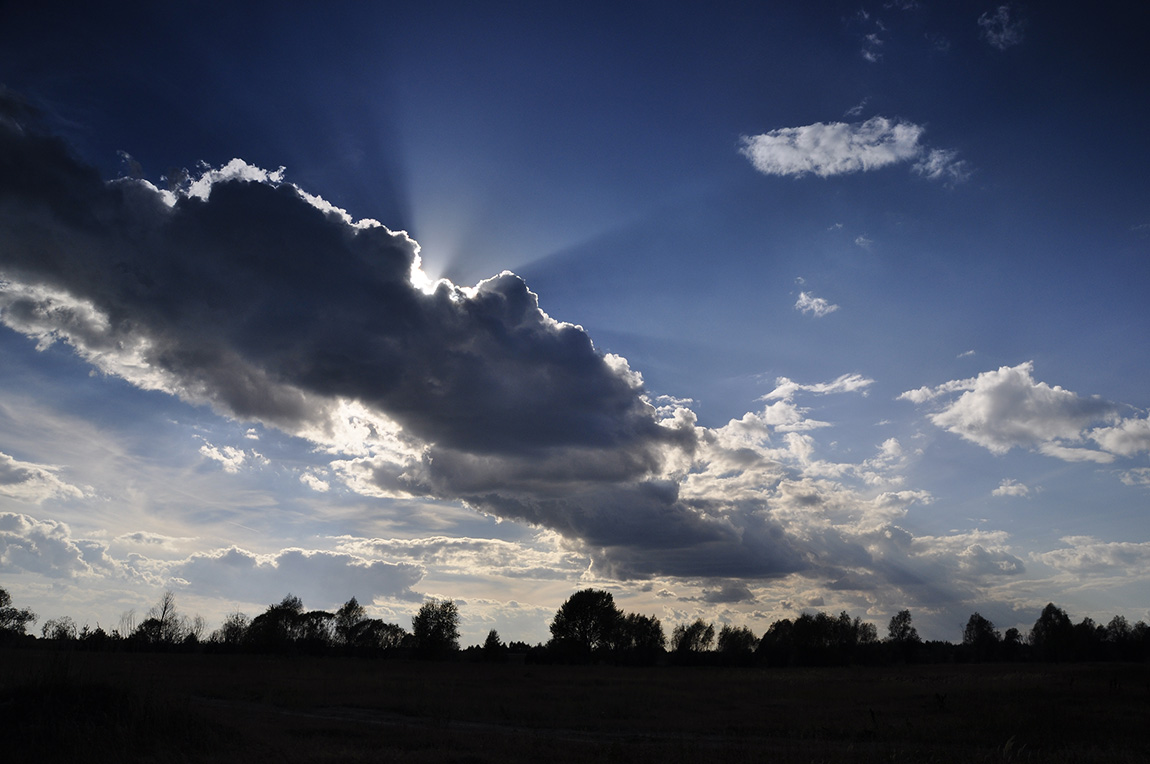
<point>315,482</point>
<point>839,148</point>
<point>857,109</point>
<point>1010,487</point>
<point>862,241</point>
<point>814,306</point>
<point>965,354</point>
<point>1139,476</point>
<point>33,483</point>
<point>1002,28</point>
<point>786,389</point>
<point>943,165</point>
<point>1007,408</point>
<point>230,458</point>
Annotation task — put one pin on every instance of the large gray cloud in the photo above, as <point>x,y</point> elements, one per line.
<point>255,298</point>
<point>244,292</point>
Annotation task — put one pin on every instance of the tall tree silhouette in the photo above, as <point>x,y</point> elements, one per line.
<point>435,628</point>
<point>586,623</point>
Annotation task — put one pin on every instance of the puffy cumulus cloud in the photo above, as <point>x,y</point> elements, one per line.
<point>46,547</point>
<point>1007,408</point>
<point>814,306</point>
<point>1086,555</point>
<point>241,291</point>
<point>1010,487</point>
<point>1002,28</point>
<point>34,483</point>
<point>244,292</point>
<point>322,579</point>
<point>1126,438</point>
<point>840,148</point>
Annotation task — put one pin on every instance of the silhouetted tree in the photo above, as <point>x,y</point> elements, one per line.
<point>233,632</point>
<point>1012,647</point>
<point>1089,638</point>
<point>494,651</point>
<point>980,637</point>
<point>349,615</point>
<point>1052,636</point>
<point>735,641</point>
<point>586,623</point>
<point>278,627</point>
<point>435,628</point>
<point>316,629</point>
<point>776,647</point>
<point>164,625</point>
<point>62,629</point>
<point>641,633</point>
<point>374,634</point>
<point>692,638</point>
<point>901,630</point>
<point>13,621</point>
<point>902,635</point>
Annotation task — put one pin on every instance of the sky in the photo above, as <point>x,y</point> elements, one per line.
<point>735,310</point>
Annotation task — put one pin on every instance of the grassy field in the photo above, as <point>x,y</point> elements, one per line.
<point>124,707</point>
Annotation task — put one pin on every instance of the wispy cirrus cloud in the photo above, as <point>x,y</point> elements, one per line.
<point>1003,27</point>
<point>33,483</point>
<point>840,148</point>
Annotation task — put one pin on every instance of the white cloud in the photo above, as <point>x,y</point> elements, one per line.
<point>322,579</point>
<point>1002,28</point>
<point>839,148</point>
<point>45,547</point>
<point>1010,487</point>
<point>856,110</point>
<point>814,306</point>
<point>230,458</point>
<point>1126,438</point>
<point>862,241</point>
<point>315,482</point>
<point>33,483</point>
<point>836,148</point>
<point>1089,555</point>
<point>1139,476</point>
<point>785,389</point>
<point>1003,409</point>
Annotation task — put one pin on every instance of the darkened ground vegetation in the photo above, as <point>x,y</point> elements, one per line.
<point>294,685</point>
<point>199,707</point>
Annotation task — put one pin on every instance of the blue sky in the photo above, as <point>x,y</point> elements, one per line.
<point>819,308</point>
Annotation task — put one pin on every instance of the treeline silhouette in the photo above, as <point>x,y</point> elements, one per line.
<point>589,628</point>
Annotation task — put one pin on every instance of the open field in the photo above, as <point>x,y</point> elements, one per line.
<point>206,708</point>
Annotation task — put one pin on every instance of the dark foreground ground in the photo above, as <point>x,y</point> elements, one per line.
<point>75,706</point>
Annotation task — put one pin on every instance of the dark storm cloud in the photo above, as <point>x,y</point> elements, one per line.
<point>242,291</point>
<point>262,302</point>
